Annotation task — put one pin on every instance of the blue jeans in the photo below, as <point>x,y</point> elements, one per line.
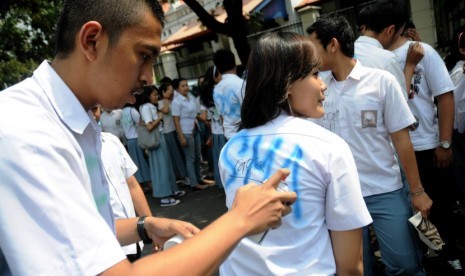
<point>398,241</point>
<point>192,155</point>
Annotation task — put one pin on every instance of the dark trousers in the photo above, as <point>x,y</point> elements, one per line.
<point>440,187</point>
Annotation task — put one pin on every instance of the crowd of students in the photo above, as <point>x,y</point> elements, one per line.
<point>375,138</point>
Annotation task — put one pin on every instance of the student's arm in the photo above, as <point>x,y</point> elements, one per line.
<point>138,198</point>
<point>446,106</point>
<point>255,209</point>
<point>420,200</point>
<point>153,124</point>
<point>177,125</point>
<point>348,252</point>
<point>165,106</point>
<point>414,56</point>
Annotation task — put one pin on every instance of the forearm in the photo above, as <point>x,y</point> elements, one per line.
<point>348,241</point>
<point>138,198</point>
<point>409,70</point>
<point>153,124</point>
<point>177,125</point>
<point>201,254</point>
<point>126,231</point>
<point>446,116</point>
<point>406,154</point>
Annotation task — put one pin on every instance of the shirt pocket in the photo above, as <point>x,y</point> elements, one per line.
<point>367,116</point>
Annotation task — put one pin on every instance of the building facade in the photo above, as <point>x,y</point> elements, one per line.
<point>188,46</point>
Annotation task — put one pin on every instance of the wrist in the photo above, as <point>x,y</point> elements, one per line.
<point>417,192</point>
<point>141,230</point>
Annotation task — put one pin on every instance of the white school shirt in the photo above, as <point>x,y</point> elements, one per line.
<point>363,111</point>
<point>129,120</point>
<point>458,78</point>
<point>119,167</point>
<point>55,212</point>
<point>111,122</point>
<point>324,176</point>
<point>149,113</point>
<point>215,120</point>
<point>228,97</point>
<point>430,79</point>
<point>168,123</point>
<point>187,109</point>
<point>371,53</point>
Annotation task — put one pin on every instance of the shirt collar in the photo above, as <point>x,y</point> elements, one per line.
<point>370,40</point>
<point>63,100</point>
<point>355,74</point>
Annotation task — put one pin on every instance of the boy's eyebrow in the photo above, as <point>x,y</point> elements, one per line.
<point>155,50</point>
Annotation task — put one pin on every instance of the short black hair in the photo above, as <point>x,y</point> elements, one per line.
<point>335,26</point>
<point>177,82</point>
<point>277,60</point>
<point>224,60</point>
<point>114,15</point>
<point>384,13</point>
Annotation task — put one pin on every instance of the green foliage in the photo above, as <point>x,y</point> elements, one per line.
<point>27,31</point>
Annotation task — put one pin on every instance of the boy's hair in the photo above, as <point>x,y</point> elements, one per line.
<point>276,61</point>
<point>114,15</point>
<point>384,13</point>
<point>224,60</point>
<point>335,26</point>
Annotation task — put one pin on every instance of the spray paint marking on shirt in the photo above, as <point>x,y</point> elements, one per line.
<point>244,155</point>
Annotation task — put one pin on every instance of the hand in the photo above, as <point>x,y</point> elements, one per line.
<point>162,229</point>
<point>183,141</point>
<point>415,54</point>
<point>422,203</point>
<point>262,207</point>
<point>442,158</point>
<point>413,34</point>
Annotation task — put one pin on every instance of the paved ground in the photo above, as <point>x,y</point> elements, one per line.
<point>201,208</point>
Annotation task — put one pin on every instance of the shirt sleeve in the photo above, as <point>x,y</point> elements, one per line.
<point>146,113</point>
<point>50,224</point>
<point>397,114</point>
<point>135,116</point>
<point>436,74</point>
<point>176,108</point>
<point>345,207</point>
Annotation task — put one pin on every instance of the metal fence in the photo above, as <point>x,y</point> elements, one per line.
<point>194,67</point>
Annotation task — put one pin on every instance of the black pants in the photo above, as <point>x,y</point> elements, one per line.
<point>440,186</point>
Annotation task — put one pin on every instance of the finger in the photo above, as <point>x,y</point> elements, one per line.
<point>277,177</point>
<point>287,197</point>
<point>287,210</point>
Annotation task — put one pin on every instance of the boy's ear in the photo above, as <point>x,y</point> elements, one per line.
<point>89,39</point>
<point>333,45</point>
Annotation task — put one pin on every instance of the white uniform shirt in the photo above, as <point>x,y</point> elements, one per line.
<point>149,113</point>
<point>130,119</point>
<point>54,210</point>
<point>119,167</point>
<point>430,80</point>
<point>228,97</point>
<point>458,77</point>
<point>111,122</point>
<point>187,109</point>
<point>324,176</point>
<point>215,120</point>
<point>363,111</point>
<point>372,54</point>
<point>168,123</point>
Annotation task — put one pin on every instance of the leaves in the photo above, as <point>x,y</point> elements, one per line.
<point>27,28</point>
